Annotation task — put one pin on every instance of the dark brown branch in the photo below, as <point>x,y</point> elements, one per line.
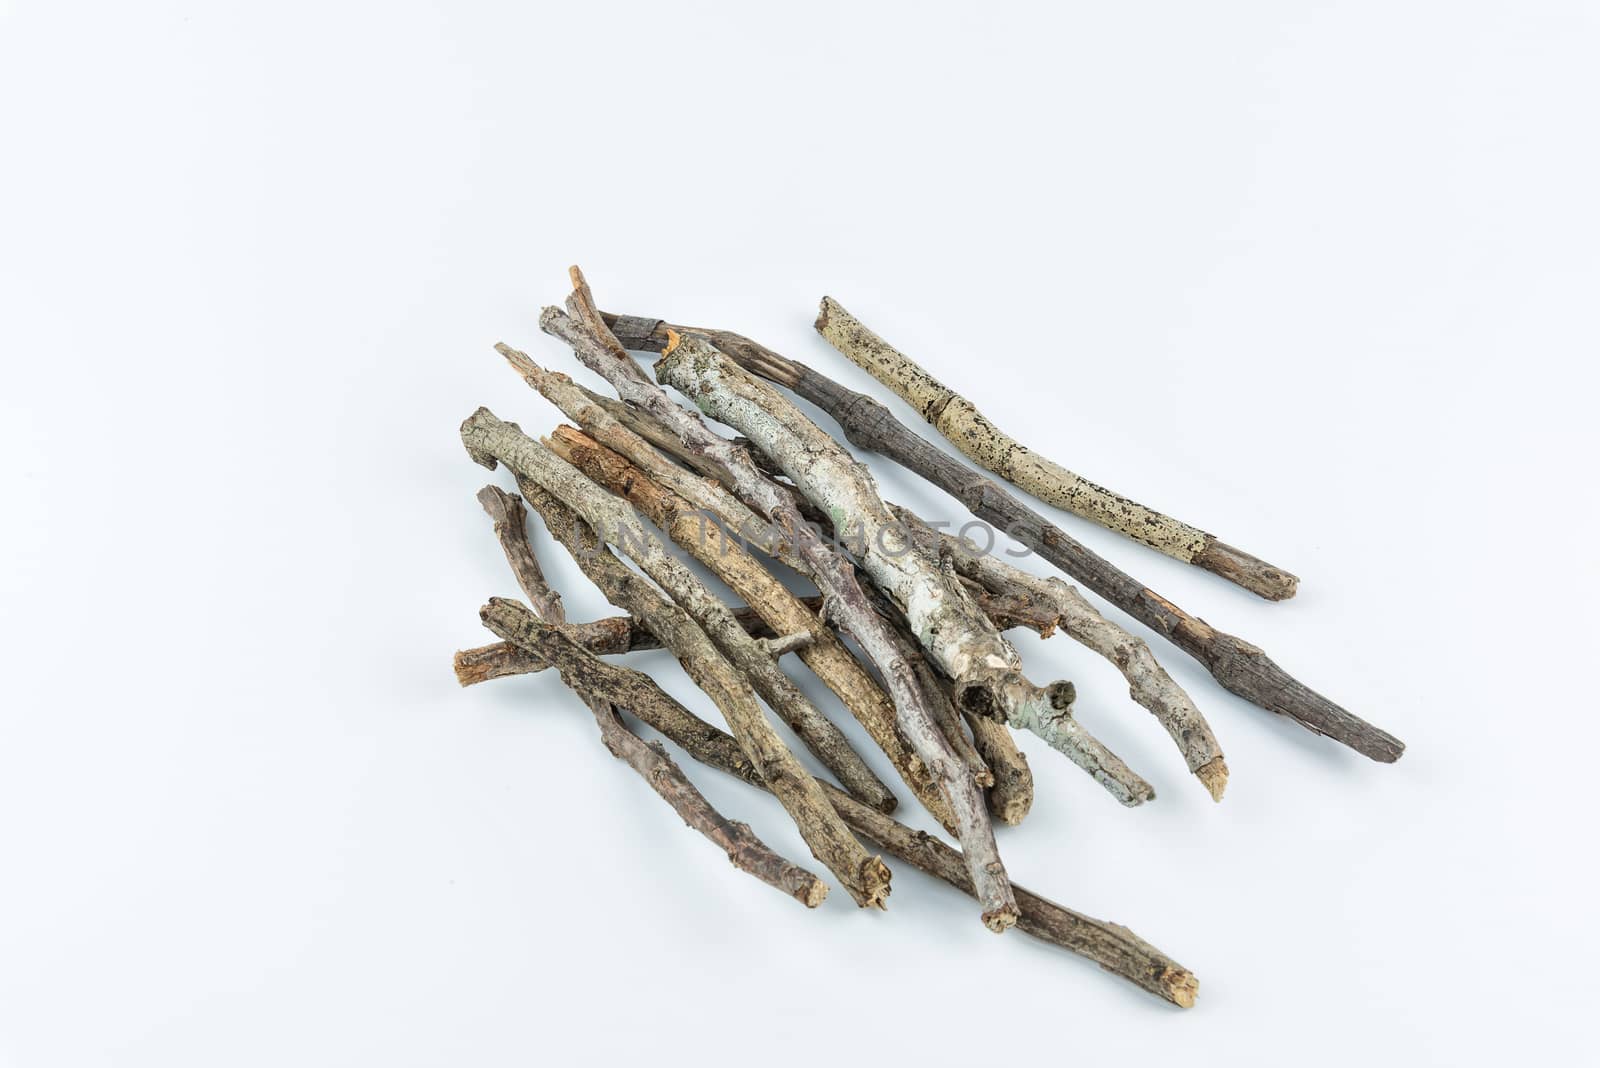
<point>1237,665</point>
<point>511,527</point>
<point>603,685</point>
<point>1113,947</point>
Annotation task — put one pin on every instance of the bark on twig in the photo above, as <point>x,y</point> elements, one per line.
<point>991,448</point>
<point>1113,947</point>
<point>600,685</point>
<point>845,602</point>
<point>511,528</point>
<point>1238,666</point>
<point>1148,682</point>
<point>966,646</point>
<point>780,609</point>
<point>490,441</point>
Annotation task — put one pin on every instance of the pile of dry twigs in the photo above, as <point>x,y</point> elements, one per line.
<point>938,687</point>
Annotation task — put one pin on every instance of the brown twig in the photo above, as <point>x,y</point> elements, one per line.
<point>603,685</point>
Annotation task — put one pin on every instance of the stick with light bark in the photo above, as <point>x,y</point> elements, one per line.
<point>1148,682</point>
<point>489,441</point>
<point>1112,946</point>
<point>845,604</point>
<point>991,448</point>
<point>1238,666</point>
<point>966,646</point>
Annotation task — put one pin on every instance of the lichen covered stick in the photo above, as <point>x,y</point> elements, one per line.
<point>1148,682</point>
<point>1238,666</point>
<point>489,441</point>
<point>961,640</point>
<point>1112,946</point>
<point>845,604</point>
<point>988,446</point>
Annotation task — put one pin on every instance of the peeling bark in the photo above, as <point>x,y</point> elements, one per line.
<point>844,603</point>
<point>962,641</point>
<point>490,441</point>
<point>1238,666</point>
<point>991,448</point>
<point>601,684</point>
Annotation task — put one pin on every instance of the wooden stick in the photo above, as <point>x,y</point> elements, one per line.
<point>780,609</point>
<point>490,441</point>
<point>844,602</point>
<point>625,634</point>
<point>1113,947</point>
<point>1238,666</point>
<point>600,684</point>
<point>1148,682</point>
<point>991,448</point>
<point>961,640</point>
<point>744,850</point>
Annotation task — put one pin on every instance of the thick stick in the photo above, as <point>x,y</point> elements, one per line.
<point>966,646</point>
<point>600,684</point>
<point>844,602</point>
<point>781,610</point>
<point>1112,946</point>
<point>991,448</point>
<point>1240,667</point>
<point>1148,682</point>
<point>490,441</point>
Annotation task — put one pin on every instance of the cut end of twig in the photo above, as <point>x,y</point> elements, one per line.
<point>518,360</point>
<point>997,920</point>
<point>1214,777</point>
<point>812,893</point>
<point>575,275</point>
<point>822,314</point>
<point>674,339</point>
<point>1242,569</point>
<point>1179,986</point>
<point>470,670</point>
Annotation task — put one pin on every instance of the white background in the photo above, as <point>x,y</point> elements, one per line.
<point>1320,278</point>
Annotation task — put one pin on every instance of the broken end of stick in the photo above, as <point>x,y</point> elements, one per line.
<point>469,429</point>
<point>827,305</point>
<point>674,339</point>
<point>469,670</point>
<point>1214,777</point>
<point>998,920</point>
<point>1179,986</point>
<point>812,893</point>
<point>1249,572</point>
<point>874,880</point>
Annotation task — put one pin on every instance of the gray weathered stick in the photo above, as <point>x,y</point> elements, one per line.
<point>489,441</point>
<point>1237,665</point>
<point>844,603</point>
<point>961,640</point>
<point>988,446</point>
